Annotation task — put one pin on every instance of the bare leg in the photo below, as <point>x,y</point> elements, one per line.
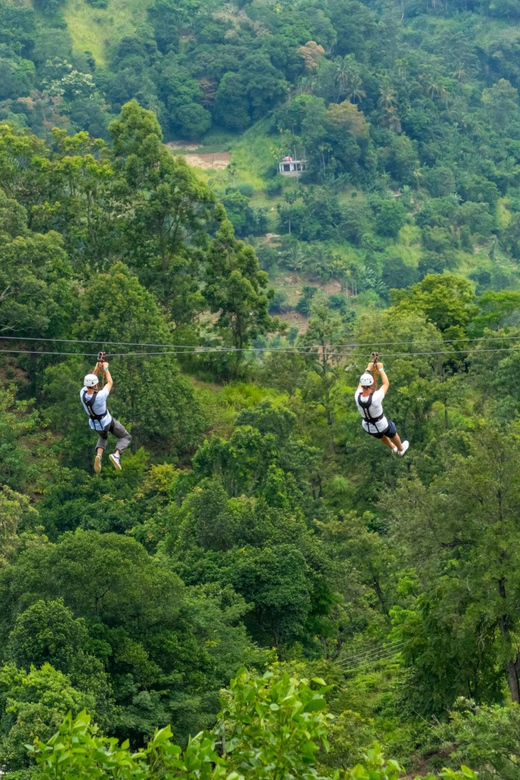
<point>397,441</point>
<point>386,441</point>
<point>100,448</point>
<point>98,459</point>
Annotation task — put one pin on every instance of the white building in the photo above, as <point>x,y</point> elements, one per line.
<point>290,167</point>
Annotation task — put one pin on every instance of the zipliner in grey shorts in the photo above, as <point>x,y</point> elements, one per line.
<point>118,430</point>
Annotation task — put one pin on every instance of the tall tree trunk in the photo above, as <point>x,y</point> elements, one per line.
<point>512,679</point>
<point>379,593</point>
<point>512,667</point>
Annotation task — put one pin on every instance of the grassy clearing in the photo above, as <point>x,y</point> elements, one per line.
<point>253,156</point>
<point>289,283</point>
<point>218,141</point>
<point>256,154</point>
<point>261,200</point>
<point>503,213</point>
<point>410,235</point>
<point>97,29</point>
<point>348,252</point>
<point>347,195</point>
<point>409,246</point>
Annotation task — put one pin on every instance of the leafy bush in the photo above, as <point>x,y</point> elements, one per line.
<point>305,301</point>
<point>278,303</point>
<point>391,218</point>
<point>246,189</point>
<point>274,187</point>
<point>269,727</point>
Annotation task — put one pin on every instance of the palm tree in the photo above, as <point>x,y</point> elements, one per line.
<point>387,98</point>
<point>347,79</point>
<point>342,73</point>
<point>355,90</point>
<point>293,255</point>
<point>388,103</point>
<point>434,87</point>
<point>320,262</point>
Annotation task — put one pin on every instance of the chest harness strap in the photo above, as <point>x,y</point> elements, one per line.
<point>91,412</point>
<point>365,404</point>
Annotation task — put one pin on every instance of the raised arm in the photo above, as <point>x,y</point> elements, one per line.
<point>384,378</point>
<point>108,377</point>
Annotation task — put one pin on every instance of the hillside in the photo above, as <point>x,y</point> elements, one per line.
<point>98,29</point>
<point>361,592</point>
<point>413,239</point>
<point>408,116</point>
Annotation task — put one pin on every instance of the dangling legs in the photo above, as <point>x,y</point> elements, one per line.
<point>394,440</point>
<point>123,437</point>
<point>123,441</point>
<point>100,448</point>
<point>386,441</point>
<point>401,446</point>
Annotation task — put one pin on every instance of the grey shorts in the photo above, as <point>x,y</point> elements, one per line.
<point>117,430</point>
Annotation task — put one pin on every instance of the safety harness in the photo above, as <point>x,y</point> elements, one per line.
<point>365,404</point>
<point>90,410</point>
<point>89,404</point>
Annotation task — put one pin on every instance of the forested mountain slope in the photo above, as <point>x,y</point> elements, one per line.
<point>407,114</point>
<point>254,524</point>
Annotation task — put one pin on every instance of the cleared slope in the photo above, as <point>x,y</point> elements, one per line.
<point>96,29</point>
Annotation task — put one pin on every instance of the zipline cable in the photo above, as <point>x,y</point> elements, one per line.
<point>226,350</point>
<point>446,352</point>
<point>352,345</point>
<point>371,654</point>
<point>353,669</point>
<point>198,351</point>
<point>370,663</point>
<point>361,653</point>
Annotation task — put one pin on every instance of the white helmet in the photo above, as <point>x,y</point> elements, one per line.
<point>91,380</point>
<point>366,380</point>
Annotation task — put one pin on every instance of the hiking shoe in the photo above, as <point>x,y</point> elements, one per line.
<point>406,444</point>
<point>97,464</point>
<point>116,461</point>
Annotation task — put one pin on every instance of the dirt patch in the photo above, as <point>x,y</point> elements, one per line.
<point>214,161</point>
<point>295,318</point>
<point>331,288</point>
<point>231,14</point>
<point>177,146</point>
<point>11,372</point>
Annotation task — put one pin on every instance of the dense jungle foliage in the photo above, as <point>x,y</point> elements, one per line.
<point>256,534</point>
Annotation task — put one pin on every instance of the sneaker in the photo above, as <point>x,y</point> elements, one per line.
<point>406,444</point>
<point>116,461</point>
<point>97,464</point>
<point>394,450</point>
